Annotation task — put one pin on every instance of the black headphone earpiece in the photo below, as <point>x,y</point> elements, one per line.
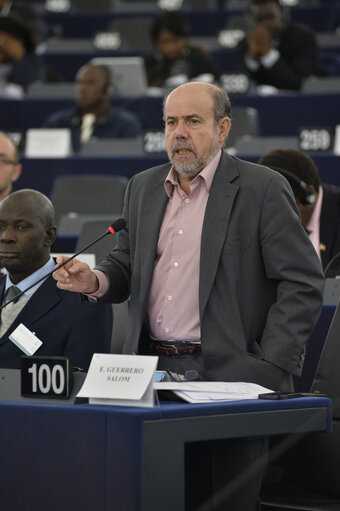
<point>306,197</point>
<point>108,88</point>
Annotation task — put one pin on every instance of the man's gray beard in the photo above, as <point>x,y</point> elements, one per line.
<point>194,169</point>
<point>191,171</point>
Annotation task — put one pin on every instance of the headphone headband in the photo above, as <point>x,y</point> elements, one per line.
<point>307,197</point>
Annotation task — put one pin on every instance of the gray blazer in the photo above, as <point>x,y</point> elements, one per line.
<point>261,282</point>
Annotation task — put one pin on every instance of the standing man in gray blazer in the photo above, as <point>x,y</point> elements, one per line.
<point>222,278</point>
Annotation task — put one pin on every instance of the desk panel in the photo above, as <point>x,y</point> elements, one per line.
<point>39,173</point>
<point>86,457</point>
<point>280,114</point>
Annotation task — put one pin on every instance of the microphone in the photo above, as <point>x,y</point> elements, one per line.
<point>330,262</point>
<point>116,226</point>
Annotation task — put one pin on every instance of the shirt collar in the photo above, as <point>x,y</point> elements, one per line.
<point>314,221</point>
<point>25,283</point>
<point>207,174</point>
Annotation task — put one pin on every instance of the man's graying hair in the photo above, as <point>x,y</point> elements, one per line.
<point>221,100</point>
<point>222,104</point>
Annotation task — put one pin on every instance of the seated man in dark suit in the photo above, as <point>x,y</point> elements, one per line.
<point>318,203</point>
<point>93,116</point>
<point>277,52</point>
<point>66,325</point>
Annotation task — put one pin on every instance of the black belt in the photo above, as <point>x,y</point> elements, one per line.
<point>174,349</point>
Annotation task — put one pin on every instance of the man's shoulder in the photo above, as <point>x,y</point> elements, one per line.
<point>297,31</point>
<point>248,169</point>
<point>60,118</point>
<point>122,123</point>
<point>152,173</point>
<point>121,114</point>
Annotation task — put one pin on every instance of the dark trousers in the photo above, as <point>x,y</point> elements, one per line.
<point>223,475</point>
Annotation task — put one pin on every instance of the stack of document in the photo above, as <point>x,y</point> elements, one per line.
<point>212,391</point>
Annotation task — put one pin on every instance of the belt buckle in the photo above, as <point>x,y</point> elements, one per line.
<point>171,350</point>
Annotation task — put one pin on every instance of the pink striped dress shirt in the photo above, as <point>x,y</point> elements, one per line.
<point>314,223</point>
<point>173,309</point>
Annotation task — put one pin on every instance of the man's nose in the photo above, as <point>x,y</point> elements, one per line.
<point>7,234</point>
<point>181,130</point>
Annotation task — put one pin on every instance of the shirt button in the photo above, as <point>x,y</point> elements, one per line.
<point>187,200</point>
<point>180,231</point>
<point>169,298</point>
<point>176,265</point>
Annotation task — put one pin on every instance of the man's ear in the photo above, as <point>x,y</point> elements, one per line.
<point>17,172</point>
<point>224,125</point>
<point>50,235</point>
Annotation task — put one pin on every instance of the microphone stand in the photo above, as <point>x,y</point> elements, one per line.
<point>110,230</point>
<point>334,258</point>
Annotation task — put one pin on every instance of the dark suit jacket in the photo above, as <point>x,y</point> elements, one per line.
<point>66,326</point>
<point>118,123</point>
<point>298,59</point>
<point>330,227</point>
<point>260,282</point>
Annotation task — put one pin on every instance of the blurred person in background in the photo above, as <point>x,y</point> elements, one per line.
<point>275,51</point>
<point>20,65</point>
<point>318,203</point>
<point>175,58</point>
<point>93,116</point>
<point>29,12</point>
<point>10,168</point>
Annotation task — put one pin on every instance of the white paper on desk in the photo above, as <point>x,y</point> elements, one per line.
<point>210,391</point>
<point>124,380</point>
<point>48,143</point>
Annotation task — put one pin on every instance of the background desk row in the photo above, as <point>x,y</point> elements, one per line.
<point>322,18</point>
<point>39,173</point>
<point>280,114</point>
<point>227,60</point>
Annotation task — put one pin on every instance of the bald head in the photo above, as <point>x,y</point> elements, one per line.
<point>37,203</point>
<point>26,232</point>
<point>219,97</point>
<point>92,88</point>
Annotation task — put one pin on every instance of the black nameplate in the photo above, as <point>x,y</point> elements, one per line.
<point>315,139</point>
<point>48,377</point>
